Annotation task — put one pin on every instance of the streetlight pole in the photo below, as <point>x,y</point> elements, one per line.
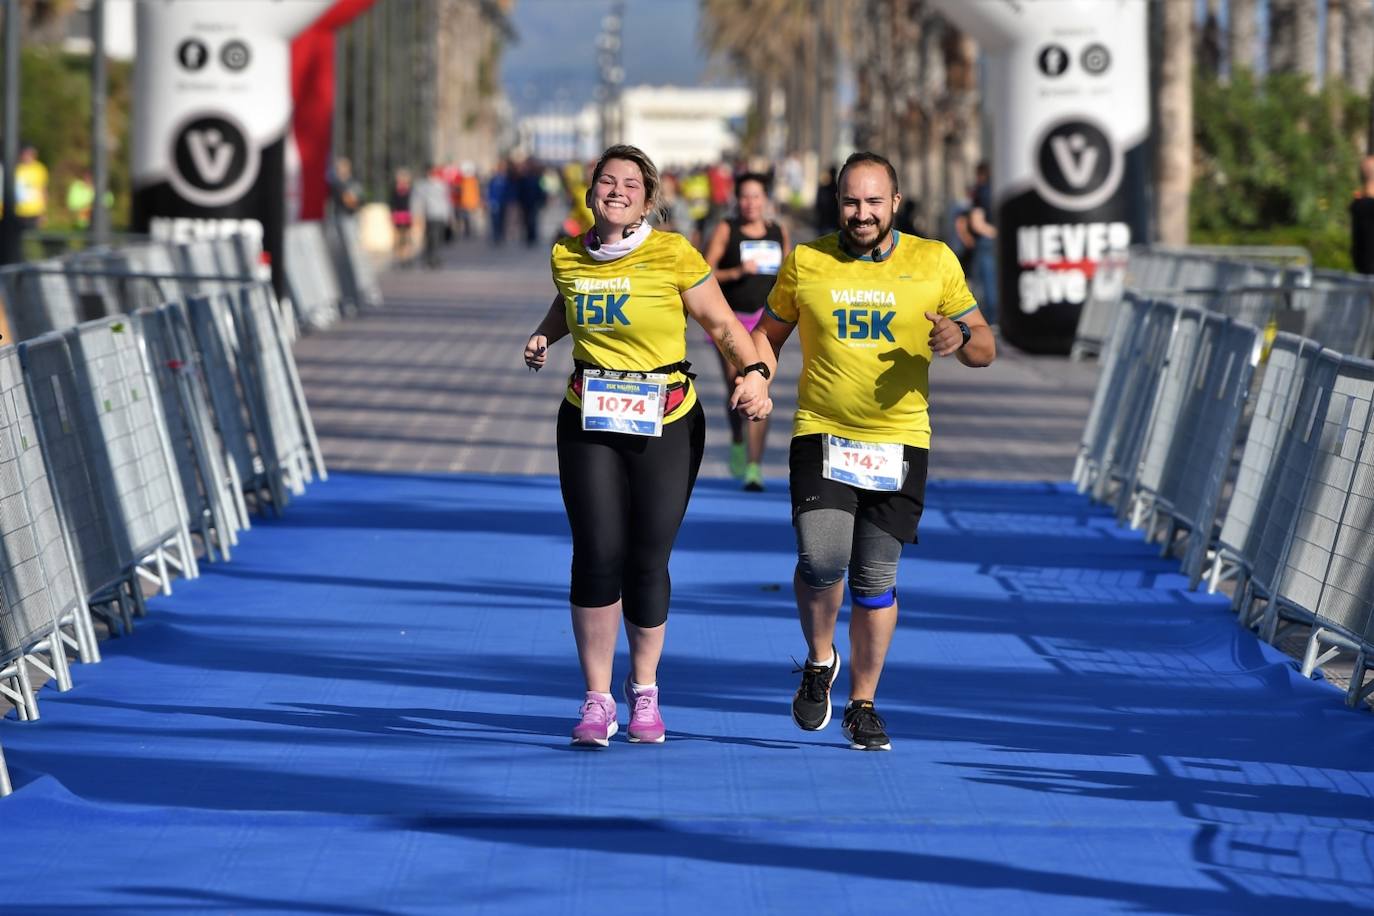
<point>10,247</point>
<point>611,73</point>
<point>100,167</point>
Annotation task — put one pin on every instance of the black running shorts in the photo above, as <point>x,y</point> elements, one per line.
<point>897,512</point>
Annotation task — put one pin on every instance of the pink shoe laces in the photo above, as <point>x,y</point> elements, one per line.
<point>597,710</point>
<point>646,708</point>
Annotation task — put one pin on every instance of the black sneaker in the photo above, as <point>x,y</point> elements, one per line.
<point>864,728</point>
<point>811,703</point>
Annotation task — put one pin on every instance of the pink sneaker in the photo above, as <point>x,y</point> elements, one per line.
<point>598,722</point>
<point>646,725</point>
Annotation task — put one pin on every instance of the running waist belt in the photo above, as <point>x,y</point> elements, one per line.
<point>675,393</point>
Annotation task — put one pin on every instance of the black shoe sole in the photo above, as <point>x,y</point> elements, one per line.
<point>855,746</point>
<point>829,707</point>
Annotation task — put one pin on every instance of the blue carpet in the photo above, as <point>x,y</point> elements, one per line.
<point>367,712</point>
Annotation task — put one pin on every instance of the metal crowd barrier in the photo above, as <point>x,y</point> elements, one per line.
<point>1170,273</point>
<point>1325,575</point>
<point>1193,474</point>
<point>310,276</point>
<point>124,406</point>
<point>51,379</point>
<point>1092,452</point>
<point>211,327</point>
<point>1285,373</point>
<point>201,259</point>
<point>120,434</point>
<point>209,484</point>
<point>1279,500</point>
<point>357,279</point>
<point>38,593</point>
<point>150,268</point>
<point>270,367</point>
<point>255,391</point>
<point>1298,451</point>
<point>99,423</point>
<point>1142,476</point>
<point>1143,364</point>
<point>39,297</point>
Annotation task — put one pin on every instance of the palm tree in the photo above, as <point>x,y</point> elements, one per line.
<point>767,41</point>
<point>1293,37</point>
<point>1335,41</point>
<point>1359,44</point>
<point>1175,134</point>
<point>1242,44</point>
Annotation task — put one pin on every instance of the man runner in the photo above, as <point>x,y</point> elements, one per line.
<point>872,306</point>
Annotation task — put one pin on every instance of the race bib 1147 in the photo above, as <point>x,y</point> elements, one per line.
<point>866,465</point>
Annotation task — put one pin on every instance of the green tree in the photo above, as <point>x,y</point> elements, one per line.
<point>55,118</point>
<point>1276,163</point>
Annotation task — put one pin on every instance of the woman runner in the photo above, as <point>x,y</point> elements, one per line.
<point>745,252</point>
<point>630,430</point>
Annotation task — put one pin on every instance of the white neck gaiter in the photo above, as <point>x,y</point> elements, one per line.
<point>609,251</point>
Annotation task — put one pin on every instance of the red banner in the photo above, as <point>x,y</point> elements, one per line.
<point>312,88</point>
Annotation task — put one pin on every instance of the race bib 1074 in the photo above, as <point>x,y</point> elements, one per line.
<point>621,405</point>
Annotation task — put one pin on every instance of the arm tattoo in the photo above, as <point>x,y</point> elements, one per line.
<point>730,351</point>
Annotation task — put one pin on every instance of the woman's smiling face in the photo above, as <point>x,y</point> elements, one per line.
<point>617,195</point>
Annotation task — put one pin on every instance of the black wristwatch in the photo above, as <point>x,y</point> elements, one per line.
<point>968,335</point>
<point>760,368</point>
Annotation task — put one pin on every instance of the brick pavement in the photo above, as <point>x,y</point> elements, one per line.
<point>434,382</point>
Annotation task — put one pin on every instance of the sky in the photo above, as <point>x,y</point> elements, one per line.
<point>555,57</point>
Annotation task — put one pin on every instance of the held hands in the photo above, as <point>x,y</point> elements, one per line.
<point>945,336</point>
<point>536,351</point>
<point>751,397</point>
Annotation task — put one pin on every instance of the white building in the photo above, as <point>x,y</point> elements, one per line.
<point>119,29</point>
<point>678,127</point>
<point>681,127</point>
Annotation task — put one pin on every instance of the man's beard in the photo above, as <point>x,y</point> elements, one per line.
<point>880,241</point>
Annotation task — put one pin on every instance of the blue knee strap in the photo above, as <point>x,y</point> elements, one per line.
<point>876,602</point>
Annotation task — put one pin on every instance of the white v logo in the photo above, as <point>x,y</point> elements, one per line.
<point>212,156</point>
<point>1075,158</point>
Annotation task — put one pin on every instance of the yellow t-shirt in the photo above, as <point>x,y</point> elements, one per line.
<point>627,314</point>
<point>31,189</point>
<point>865,338</point>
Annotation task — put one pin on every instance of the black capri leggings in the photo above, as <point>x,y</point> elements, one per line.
<point>626,496</point>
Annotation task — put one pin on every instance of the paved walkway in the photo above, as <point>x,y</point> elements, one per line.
<point>435,382</point>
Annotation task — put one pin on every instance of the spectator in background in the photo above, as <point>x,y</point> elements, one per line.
<point>957,233</point>
<point>827,203</point>
<point>81,200</point>
<point>790,183</point>
<point>696,191</point>
<point>529,191</point>
<point>744,253</point>
<point>579,217</point>
<point>908,216</point>
<point>1362,220</point>
<point>30,189</point>
<point>984,244</point>
<point>345,191</point>
<point>674,215</point>
<point>469,199</point>
<point>721,179</point>
<point>400,211</point>
<point>432,201</point>
<point>499,193</point>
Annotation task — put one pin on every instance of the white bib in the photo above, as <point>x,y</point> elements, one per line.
<point>613,403</point>
<point>765,254</point>
<point>866,465</point>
